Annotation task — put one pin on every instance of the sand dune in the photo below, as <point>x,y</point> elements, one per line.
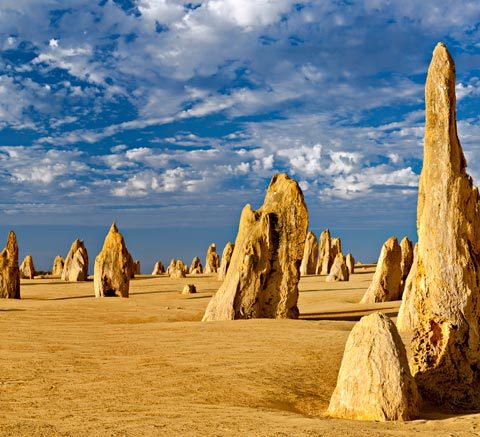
<point>71,364</point>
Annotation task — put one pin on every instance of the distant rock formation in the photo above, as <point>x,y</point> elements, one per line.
<point>323,262</point>
<point>262,280</point>
<point>442,299</point>
<point>374,382</point>
<point>27,269</point>
<point>177,269</point>
<point>310,255</point>
<point>9,271</point>
<point>158,269</point>
<point>225,262</point>
<point>339,270</point>
<point>211,261</point>
<point>136,267</point>
<point>57,267</point>
<point>350,261</point>
<point>196,267</point>
<point>111,272</point>
<point>189,289</point>
<point>386,282</point>
<point>407,259</point>
<point>75,268</point>
<point>130,266</point>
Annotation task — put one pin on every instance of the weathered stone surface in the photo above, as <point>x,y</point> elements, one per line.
<point>130,266</point>
<point>386,282</point>
<point>189,289</point>
<point>445,276</point>
<point>27,269</point>
<point>211,260</point>
<point>158,268</point>
<point>136,267</point>
<point>350,261</point>
<point>262,280</point>
<point>57,267</point>
<point>310,255</point>
<point>339,270</point>
<point>9,271</point>
<point>374,382</point>
<point>323,262</point>
<point>225,262</point>
<point>407,258</point>
<point>196,267</point>
<point>177,269</point>
<point>111,275</point>
<point>76,263</point>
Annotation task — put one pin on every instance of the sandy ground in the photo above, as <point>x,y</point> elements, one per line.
<point>71,364</point>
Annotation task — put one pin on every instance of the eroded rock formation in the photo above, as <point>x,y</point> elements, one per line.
<point>386,282</point>
<point>374,382</point>
<point>177,269</point>
<point>225,262</point>
<point>27,269</point>
<point>211,260</point>
<point>158,268</point>
<point>136,267</point>
<point>339,270</point>
<point>57,267</point>
<point>189,289</point>
<point>323,262</point>
<point>350,261</point>
<point>442,299</point>
<point>407,258</point>
<point>262,280</point>
<point>111,276</point>
<point>76,263</point>
<point>310,255</point>
<point>196,267</point>
<point>9,271</point>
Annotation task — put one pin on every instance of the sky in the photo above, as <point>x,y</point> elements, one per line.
<point>169,116</point>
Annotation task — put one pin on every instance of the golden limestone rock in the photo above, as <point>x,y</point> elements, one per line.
<point>310,255</point>
<point>171,266</point>
<point>9,271</point>
<point>374,381</point>
<point>76,263</point>
<point>130,266</point>
<point>350,261</point>
<point>339,270</point>
<point>407,258</point>
<point>442,298</point>
<point>27,269</point>
<point>158,269</point>
<point>189,289</point>
<point>211,260</point>
<point>225,262</point>
<point>112,264</point>
<point>177,269</point>
<point>262,280</point>
<point>57,267</point>
<point>323,253</point>
<point>136,267</point>
<point>386,282</point>
<point>196,267</point>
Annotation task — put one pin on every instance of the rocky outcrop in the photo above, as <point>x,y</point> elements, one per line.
<point>407,258</point>
<point>158,269</point>
<point>27,269</point>
<point>225,262</point>
<point>196,267</point>
<point>262,280</point>
<point>374,382</point>
<point>136,267</point>
<point>130,266</point>
<point>177,269</point>
<point>211,260</point>
<point>76,263</point>
<point>9,271</point>
<point>111,276</point>
<point>443,302</point>
<point>323,262</point>
<point>310,255</point>
<point>57,267</point>
<point>386,282</point>
<point>350,261</point>
<point>339,270</point>
<point>189,289</point>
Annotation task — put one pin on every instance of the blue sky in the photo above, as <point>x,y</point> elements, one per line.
<point>168,116</point>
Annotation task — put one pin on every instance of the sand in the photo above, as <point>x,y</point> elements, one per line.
<point>74,365</point>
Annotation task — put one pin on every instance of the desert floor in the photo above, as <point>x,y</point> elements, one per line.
<point>71,364</point>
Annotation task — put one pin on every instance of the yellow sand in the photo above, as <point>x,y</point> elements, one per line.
<point>71,364</point>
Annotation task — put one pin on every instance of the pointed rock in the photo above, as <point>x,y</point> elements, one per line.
<point>339,270</point>
<point>262,280</point>
<point>211,261</point>
<point>158,269</point>
<point>130,266</point>
<point>196,267</point>
<point>374,382</point>
<point>323,262</point>
<point>407,258</point>
<point>57,267</point>
<point>310,255</point>
<point>9,271</point>
<point>350,261</point>
<point>443,299</point>
<point>111,272</point>
<point>225,262</point>
<point>386,282</point>
<point>75,268</point>
<point>177,269</point>
<point>189,289</point>
<point>27,269</point>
